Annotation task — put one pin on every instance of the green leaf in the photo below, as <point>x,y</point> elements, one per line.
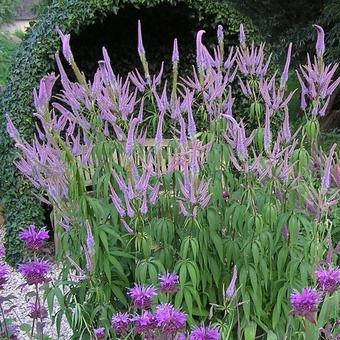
<point>271,336</point>
<point>250,331</point>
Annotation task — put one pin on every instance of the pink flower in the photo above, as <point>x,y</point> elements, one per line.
<point>34,239</point>
<point>169,319</point>
<point>142,295</point>
<point>204,333</point>
<point>168,283</point>
<point>120,322</point>
<point>144,322</point>
<point>35,271</point>
<point>328,279</point>
<point>305,303</point>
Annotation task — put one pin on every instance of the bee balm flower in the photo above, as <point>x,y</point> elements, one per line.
<point>305,303</point>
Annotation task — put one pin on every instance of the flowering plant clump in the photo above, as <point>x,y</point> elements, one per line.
<point>161,321</point>
<point>138,187</point>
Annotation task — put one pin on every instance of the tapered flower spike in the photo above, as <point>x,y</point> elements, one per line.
<point>141,50</point>
<point>230,291</point>
<point>326,178</point>
<point>199,49</point>
<point>175,53</point>
<point>220,34</point>
<point>131,136</point>
<point>65,40</point>
<point>284,76</point>
<point>242,36</point>
<point>320,42</point>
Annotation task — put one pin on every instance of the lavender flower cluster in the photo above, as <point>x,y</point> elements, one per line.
<point>161,321</point>
<point>119,114</point>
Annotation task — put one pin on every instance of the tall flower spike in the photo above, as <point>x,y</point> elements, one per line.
<point>199,49</point>
<point>230,291</point>
<point>175,53</point>
<point>141,50</point>
<point>65,40</point>
<point>89,238</point>
<point>326,178</point>
<point>320,42</point>
<point>286,133</point>
<point>284,76</point>
<point>130,137</point>
<point>267,133</point>
<point>242,36</point>
<point>220,33</point>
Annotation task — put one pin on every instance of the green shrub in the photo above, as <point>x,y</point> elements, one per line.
<point>7,49</point>
<point>7,10</point>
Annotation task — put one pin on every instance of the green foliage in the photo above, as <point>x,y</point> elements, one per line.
<point>7,10</point>
<point>7,49</point>
<point>330,17</point>
<point>34,59</point>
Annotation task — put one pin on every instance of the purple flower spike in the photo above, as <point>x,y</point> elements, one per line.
<point>169,319</point>
<point>328,279</point>
<point>320,42</point>
<point>326,178</point>
<point>35,271</point>
<point>284,76</point>
<point>168,283</point>
<point>199,49</point>
<point>130,138</point>
<point>204,333</point>
<point>141,50</point>
<point>43,96</point>
<point>285,232</point>
<point>11,129</point>
<point>4,270</point>
<point>99,333</point>
<point>220,33</point>
<point>175,53</point>
<point>34,239</point>
<point>142,295</point>
<point>305,303</point>
<point>120,323</point>
<point>89,238</point>
<point>65,40</point>
<point>231,288</point>
<point>159,132</point>
<point>242,36</point>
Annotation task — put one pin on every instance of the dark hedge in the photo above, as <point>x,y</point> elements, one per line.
<point>34,59</point>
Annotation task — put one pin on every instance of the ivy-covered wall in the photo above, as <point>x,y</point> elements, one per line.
<point>34,59</point>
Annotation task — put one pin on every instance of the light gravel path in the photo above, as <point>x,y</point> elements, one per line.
<point>15,287</point>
